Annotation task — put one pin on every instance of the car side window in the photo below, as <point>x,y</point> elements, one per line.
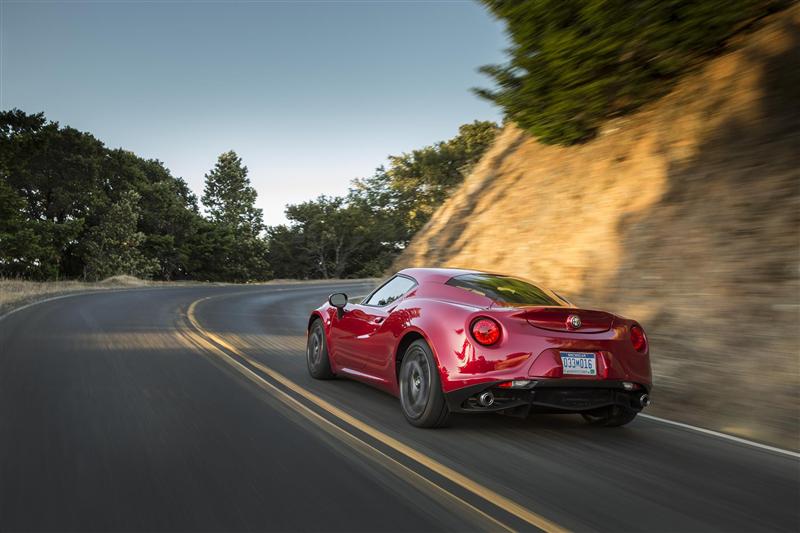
<point>391,291</point>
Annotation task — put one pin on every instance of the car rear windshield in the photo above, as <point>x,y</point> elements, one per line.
<point>505,290</point>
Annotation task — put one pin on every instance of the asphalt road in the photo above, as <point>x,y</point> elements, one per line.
<point>118,414</point>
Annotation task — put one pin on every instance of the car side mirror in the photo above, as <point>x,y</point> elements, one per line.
<point>339,301</point>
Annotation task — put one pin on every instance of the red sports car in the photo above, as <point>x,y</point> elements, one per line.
<point>462,341</point>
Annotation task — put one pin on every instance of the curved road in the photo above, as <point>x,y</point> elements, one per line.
<point>190,409</point>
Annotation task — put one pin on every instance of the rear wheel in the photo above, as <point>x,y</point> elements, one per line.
<point>611,416</point>
<point>421,395</point>
<point>319,366</point>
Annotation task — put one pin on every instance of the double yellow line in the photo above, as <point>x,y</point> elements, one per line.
<point>220,347</point>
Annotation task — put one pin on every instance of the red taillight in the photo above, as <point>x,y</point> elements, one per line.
<point>486,331</point>
<point>638,339</point>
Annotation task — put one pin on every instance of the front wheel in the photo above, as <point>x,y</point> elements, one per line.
<point>611,416</point>
<point>319,366</point>
<point>421,395</point>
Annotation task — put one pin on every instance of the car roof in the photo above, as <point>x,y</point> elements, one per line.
<point>436,275</point>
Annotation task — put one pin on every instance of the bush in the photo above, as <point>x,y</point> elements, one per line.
<point>574,64</point>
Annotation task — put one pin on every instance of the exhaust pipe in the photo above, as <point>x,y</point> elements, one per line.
<point>644,400</point>
<point>486,399</point>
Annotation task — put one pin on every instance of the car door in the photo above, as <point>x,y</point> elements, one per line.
<point>354,334</point>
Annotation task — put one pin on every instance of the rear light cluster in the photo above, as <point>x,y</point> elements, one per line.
<point>486,331</point>
<point>638,339</point>
<point>516,384</point>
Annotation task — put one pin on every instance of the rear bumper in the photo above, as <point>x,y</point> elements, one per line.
<point>548,396</point>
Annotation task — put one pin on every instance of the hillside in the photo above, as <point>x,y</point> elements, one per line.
<point>685,216</point>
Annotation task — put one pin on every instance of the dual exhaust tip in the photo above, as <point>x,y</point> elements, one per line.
<point>644,400</point>
<point>486,399</point>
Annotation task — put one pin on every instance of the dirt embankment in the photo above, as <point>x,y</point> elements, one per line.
<point>685,216</point>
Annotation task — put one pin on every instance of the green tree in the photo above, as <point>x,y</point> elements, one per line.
<point>23,250</point>
<point>113,246</point>
<point>229,247</point>
<point>331,233</point>
<point>330,237</point>
<point>360,234</point>
<point>575,63</point>
<point>423,179</point>
<point>66,210</point>
<point>58,172</point>
<point>218,252</point>
<point>288,255</point>
<point>228,196</point>
<point>418,182</point>
<point>169,214</point>
<point>58,189</point>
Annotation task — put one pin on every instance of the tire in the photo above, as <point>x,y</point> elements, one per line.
<point>421,396</point>
<point>319,365</point>
<point>612,416</point>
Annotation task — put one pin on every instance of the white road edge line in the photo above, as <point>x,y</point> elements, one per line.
<point>721,435</point>
<point>53,298</point>
<point>106,291</point>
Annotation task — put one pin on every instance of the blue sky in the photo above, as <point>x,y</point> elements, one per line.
<point>310,94</point>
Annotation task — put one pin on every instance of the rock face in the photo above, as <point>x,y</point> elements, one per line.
<point>685,216</point>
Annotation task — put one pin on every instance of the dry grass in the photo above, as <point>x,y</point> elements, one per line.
<point>16,293</point>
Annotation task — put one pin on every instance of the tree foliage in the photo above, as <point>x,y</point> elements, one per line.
<point>220,253</point>
<point>418,182</point>
<point>331,237</point>
<point>574,64</point>
<point>23,251</point>
<point>113,246</point>
<point>359,234</point>
<point>72,208</point>
<point>229,246</point>
<point>229,198</point>
<point>62,195</point>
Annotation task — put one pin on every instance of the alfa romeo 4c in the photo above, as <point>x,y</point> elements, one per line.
<point>462,341</point>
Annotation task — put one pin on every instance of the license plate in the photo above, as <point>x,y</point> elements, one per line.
<point>579,363</point>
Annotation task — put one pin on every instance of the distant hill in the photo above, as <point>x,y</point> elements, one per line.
<point>685,216</point>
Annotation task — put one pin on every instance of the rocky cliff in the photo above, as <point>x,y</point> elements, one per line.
<point>685,216</point>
